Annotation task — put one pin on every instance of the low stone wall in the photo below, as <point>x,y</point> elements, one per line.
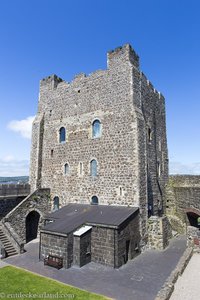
<point>167,289</point>
<point>193,237</point>
<point>2,251</point>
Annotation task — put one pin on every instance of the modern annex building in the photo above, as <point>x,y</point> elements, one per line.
<point>99,166</point>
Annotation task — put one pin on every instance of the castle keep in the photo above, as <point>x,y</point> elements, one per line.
<point>99,161</point>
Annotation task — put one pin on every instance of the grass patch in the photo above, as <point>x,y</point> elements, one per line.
<point>26,285</point>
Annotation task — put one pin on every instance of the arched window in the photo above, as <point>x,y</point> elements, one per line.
<point>96,129</point>
<point>66,168</point>
<point>93,168</point>
<point>94,200</point>
<point>56,203</point>
<point>62,135</point>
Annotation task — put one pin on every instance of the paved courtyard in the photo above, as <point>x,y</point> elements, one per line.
<point>139,279</point>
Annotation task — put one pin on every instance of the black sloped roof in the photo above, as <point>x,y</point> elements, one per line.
<point>72,216</point>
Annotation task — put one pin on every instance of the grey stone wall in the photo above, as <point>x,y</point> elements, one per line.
<point>102,245</point>
<point>159,232</point>
<point>128,234</point>
<point>14,190</point>
<point>54,245</point>
<point>182,195</point>
<point>11,195</point>
<point>193,238</point>
<point>6,205</point>
<point>127,105</point>
<point>38,201</point>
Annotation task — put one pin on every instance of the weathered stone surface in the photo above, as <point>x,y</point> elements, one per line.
<point>182,197</point>
<point>54,244</point>
<point>159,232</point>
<point>2,251</point>
<point>131,153</point>
<point>11,195</point>
<point>82,249</point>
<point>38,201</point>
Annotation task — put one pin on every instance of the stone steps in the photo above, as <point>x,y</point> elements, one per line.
<point>10,250</point>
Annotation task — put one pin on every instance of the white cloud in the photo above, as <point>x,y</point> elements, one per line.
<point>23,127</point>
<point>8,158</point>
<point>182,168</point>
<point>13,167</point>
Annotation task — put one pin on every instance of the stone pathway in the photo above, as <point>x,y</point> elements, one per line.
<point>2,263</point>
<point>187,286</point>
<point>139,279</point>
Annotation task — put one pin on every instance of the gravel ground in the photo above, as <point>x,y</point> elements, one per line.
<point>187,286</point>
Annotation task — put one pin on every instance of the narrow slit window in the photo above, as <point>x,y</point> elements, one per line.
<point>81,168</point>
<point>66,168</point>
<point>56,203</point>
<point>93,168</point>
<point>149,133</point>
<point>120,191</point>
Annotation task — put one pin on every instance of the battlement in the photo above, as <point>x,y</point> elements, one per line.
<point>148,83</point>
<point>52,80</point>
<point>122,54</point>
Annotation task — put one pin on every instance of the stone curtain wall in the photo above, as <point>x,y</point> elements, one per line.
<point>11,195</point>
<point>38,201</point>
<point>182,194</point>
<point>6,205</point>
<point>14,190</point>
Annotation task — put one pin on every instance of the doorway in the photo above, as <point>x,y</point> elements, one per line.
<point>32,221</point>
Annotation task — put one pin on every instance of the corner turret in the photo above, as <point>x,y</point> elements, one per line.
<point>122,55</point>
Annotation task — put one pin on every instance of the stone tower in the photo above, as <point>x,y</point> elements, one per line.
<point>102,138</point>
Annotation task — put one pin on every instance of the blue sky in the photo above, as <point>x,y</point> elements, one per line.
<point>65,37</point>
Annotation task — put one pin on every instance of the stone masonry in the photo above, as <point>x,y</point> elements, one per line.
<point>38,202</point>
<point>182,200</point>
<point>131,152</point>
<point>11,195</point>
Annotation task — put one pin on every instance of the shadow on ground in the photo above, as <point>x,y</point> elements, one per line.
<point>139,279</point>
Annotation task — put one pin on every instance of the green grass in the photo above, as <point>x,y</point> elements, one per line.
<point>15,282</point>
